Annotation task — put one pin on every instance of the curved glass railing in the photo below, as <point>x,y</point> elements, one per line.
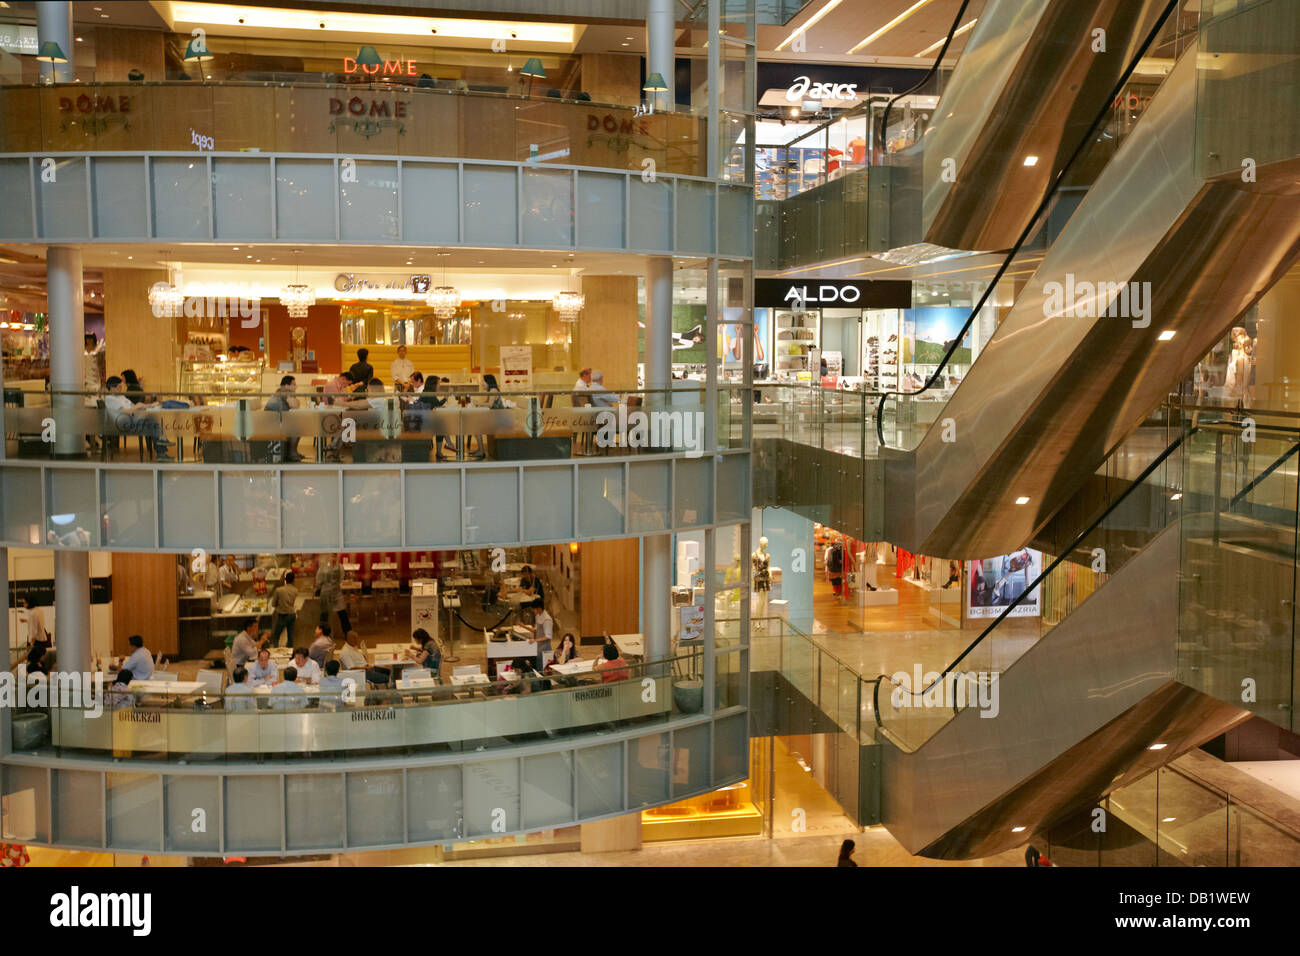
<point>1205,477</point>
<point>311,427</point>
<point>903,417</point>
<point>192,721</point>
<point>351,119</point>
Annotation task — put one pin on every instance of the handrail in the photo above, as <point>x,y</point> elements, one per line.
<point>943,51</point>
<point>1032,588</point>
<point>1084,143</point>
<point>1254,482</point>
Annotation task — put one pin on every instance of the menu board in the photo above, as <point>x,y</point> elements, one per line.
<point>516,367</point>
<point>692,624</point>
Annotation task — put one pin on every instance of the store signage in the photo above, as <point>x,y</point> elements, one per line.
<point>398,67</point>
<point>611,124</point>
<point>832,294</point>
<point>39,592</point>
<point>86,103</point>
<point>350,282</point>
<point>18,39</point>
<point>358,107</point>
<point>804,88</point>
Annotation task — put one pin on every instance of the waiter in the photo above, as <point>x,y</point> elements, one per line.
<point>402,369</point>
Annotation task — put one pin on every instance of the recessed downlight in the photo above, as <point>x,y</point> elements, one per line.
<point>1022,500</point>
<point>1157,747</point>
<point>1031,160</point>
<point>1017,829</point>
<point>1166,335</point>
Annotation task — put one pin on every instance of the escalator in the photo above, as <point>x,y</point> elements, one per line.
<point>1155,265</point>
<point>1148,624</point>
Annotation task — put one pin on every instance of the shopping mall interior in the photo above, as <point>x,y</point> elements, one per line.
<point>649,433</point>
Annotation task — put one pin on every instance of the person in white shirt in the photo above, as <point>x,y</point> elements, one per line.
<point>246,645</point>
<point>353,658</point>
<point>401,370</point>
<point>229,574</point>
<point>583,383</point>
<point>140,663</point>
<point>264,670</point>
<point>375,396</point>
<point>239,696</point>
<point>308,670</point>
<point>289,694</point>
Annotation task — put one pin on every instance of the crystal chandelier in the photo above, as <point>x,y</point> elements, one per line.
<point>568,304</point>
<point>445,299</point>
<point>167,299</point>
<point>297,296</point>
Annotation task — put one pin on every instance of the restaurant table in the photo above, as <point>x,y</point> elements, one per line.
<point>511,649</point>
<point>630,645</point>
<point>469,680</point>
<point>172,688</point>
<point>385,566</point>
<point>420,565</point>
<point>574,667</point>
<point>458,582</point>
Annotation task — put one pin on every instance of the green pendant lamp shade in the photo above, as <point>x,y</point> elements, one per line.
<point>51,52</point>
<point>654,83</point>
<point>533,68</point>
<point>196,50</point>
<point>369,56</point>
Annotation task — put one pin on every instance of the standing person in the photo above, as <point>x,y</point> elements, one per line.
<point>846,854</point>
<point>329,586</point>
<point>361,370</point>
<point>286,610</point>
<point>401,370</point>
<point>542,627</point>
<point>140,663</point>
<point>835,567</point>
<point>229,575</point>
<point>37,633</point>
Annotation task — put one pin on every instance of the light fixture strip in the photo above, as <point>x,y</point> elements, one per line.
<point>939,42</point>
<point>808,24</point>
<point>890,25</point>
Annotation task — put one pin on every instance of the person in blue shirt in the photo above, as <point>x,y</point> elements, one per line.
<point>140,663</point>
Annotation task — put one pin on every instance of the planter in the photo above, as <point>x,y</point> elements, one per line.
<point>688,696</point>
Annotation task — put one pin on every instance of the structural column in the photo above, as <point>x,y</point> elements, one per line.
<point>67,325</point>
<point>72,610</point>
<point>656,567</point>
<point>660,37</point>
<point>54,23</point>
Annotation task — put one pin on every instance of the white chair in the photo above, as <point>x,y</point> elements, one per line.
<point>466,669</point>
<point>212,680</point>
<point>167,676</point>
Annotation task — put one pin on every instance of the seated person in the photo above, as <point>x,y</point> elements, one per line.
<point>239,696</point>
<point>289,694</point>
<point>322,648</point>
<point>566,652</point>
<point>425,652</point>
<point>612,667</point>
<point>121,410</point>
<point>331,687</point>
<point>529,680</point>
<point>264,670</point>
<point>118,695</point>
<point>601,397</point>
<point>376,398</point>
<point>305,668</point>
<point>283,399</point>
<point>353,658</point>
<point>140,663</point>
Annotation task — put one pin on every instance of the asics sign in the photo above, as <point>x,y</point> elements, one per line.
<point>804,88</point>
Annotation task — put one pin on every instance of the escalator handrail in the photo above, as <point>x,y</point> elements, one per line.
<point>1187,432</point>
<point>1254,482</point>
<point>943,51</point>
<point>1084,142</point>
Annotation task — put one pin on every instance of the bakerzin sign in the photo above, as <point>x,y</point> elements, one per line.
<point>832,294</point>
<point>804,88</point>
<point>368,119</point>
<point>349,282</point>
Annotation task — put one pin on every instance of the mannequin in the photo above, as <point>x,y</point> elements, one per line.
<point>1238,375</point>
<point>762,566</point>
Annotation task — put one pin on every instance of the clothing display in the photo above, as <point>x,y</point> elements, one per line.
<point>762,564</point>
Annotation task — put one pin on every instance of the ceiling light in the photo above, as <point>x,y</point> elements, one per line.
<point>1176,497</point>
<point>808,23</point>
<point>1165,336</point>
<point>1168,819</point>
<point>890,25</point>
<point>444,300</point>
<point>1157,747</point>
<point>1031,160</point>
<point>1022,500</point>
<point>1017,829</point>
<point>938,43</point>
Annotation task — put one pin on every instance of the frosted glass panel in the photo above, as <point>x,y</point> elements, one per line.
<point>491,206</point>
<point>492,507</point>
<point>600,780</point>
<point>22,506</point>
<point>134,811</point>
<point>650,218</point>
<point>647,770</point>
<point>491,794</point>
<point>119,198</point>
<point>649,495</point>
<point>548,790</point>
<point>694,216</point>
<point>16,199</point>
<point>432,508</point>
<point>548,504</point>
<point>375,808</point>
<point>71,506</point>
<point>180,198</point>
<point>253,813</point>
<point>372,508</point>
<point>62,203</point>
<point>430,193</point>
<point>248,503</point>
<point>690,770</point>
<point>315,810</point>
<point>434,804</point>
<point>78,803</point>
<point>189,513</point>
<point>309,505</point>
<point>244,202</point>
<point>736,221</point>
<point>600,500</point>
<point>731,756</point>
<point>128,508</point>
<point>184,796</point>
<point>694,491</point>
<point>368,207</point>
<point>304,199</point>
<point>600,211</point>
<point>733,488</point>
<point>548,208</point>
<point>26,798</point>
